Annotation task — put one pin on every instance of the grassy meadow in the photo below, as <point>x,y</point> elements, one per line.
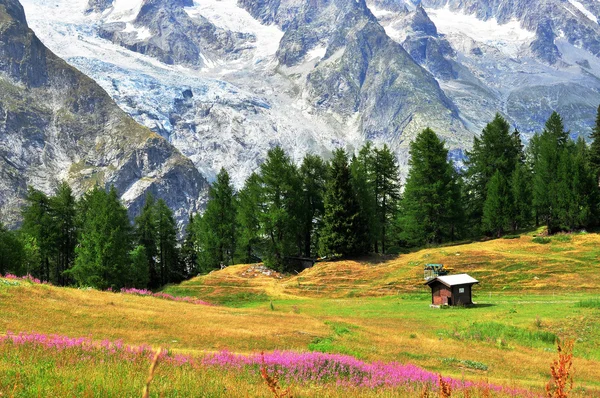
<point>375,311</point>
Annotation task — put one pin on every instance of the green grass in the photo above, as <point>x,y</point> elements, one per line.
<point>591,303</point>
<point>465,363</point>
<point>502,334</point>
<point>541,240</point>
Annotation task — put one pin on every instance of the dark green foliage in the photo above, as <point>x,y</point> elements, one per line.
<point>429,207</point>
<point>362,168</point>
<point>497,205</point>
<point>343,232</point>
<point>248,220</point>
<point>171,269</point>
<point>139,276</point>
<point>12,252</point>
<point>39,230</point>
<point>145,236</point>
<point>216,228</point>
<point>62,209</point>
<point>521,197</point>
<point>595,149</point>
<point>280,204</point>
<point>387,193</point>
<point>189,249</point>
<point>496,150</point>
<point>103,254</point>
<point>313,176</point>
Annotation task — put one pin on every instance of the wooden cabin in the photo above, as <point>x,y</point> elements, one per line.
<point>451,289</point>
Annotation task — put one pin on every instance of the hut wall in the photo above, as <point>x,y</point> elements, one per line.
<point>440,294</point>
<point>463,298</point>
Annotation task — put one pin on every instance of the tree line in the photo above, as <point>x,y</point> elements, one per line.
<point>349,205</point>
<point>91,241</point>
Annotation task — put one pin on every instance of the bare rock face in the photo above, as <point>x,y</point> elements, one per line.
<point>58,124</point>
<point>174,37</point>
<point>98,5</point>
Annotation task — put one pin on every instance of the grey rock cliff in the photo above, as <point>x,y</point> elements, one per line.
<point>58,124</point>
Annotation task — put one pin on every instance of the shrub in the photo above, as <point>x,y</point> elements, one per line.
<point>541,240</point>
<point>511,237</point>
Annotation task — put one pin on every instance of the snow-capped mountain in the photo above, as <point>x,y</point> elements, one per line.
<point>225,80</point>
<point>58,125</point>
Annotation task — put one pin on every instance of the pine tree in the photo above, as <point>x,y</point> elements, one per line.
<point>62,209</point>
<point>342,232</point>
<point>280,216</point>
<point>362,169</point>
<point>38,225</point>
<point>189,250</point>
<point>103,254</point>
<point>497,205</point>
<point>387,192</point>
<point>145,227</point>
<point>313,176</point>
<point>12,252</point>
<point>248,219</point>
<point>167,251</point>
<point>495,150</point>
<point>595,148</point>
<point>139,276</point>
<point>216,231</point>
<point>428,207</point>
<point>548,149</point>
<point>520,187</point>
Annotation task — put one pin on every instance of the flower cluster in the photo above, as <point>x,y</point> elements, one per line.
<point>293,367</point>
<point>26,278</point>
<point>166,296</point>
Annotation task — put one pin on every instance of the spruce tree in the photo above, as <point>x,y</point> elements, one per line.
<point>103,254</point>
<point>145,227</point>
<point>313,176</point>
<point>280,216</point>
<point>189,250</point>
<point>521,201</point>
<point>62,208</point>
<point>248,219</point>
<point>38,224</point>
<point>216,230</point>
<point>428,207</point>
<point>343,232</point>
<point>12,252</point>
<point>497,205</point>
<point>595,149</point>
<point>387,192</point>
<point>167,250</point>
<point>362,169</point>
<point>495,150</point>
<point>138,275</point>
<point>548,150</point>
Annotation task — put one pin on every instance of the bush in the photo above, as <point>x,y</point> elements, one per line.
<point>541,240</point>
<point>511,237</point>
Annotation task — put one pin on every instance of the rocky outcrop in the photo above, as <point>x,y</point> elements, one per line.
<point>57,124</point>
<point>98,5</point>
<point>174,37</point>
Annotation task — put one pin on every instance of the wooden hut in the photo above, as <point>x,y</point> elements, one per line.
<point>451,289</point>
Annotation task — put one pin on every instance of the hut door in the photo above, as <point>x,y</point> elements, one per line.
<point>449,300</point>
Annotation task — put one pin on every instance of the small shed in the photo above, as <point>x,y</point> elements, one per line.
<point>451,289</point>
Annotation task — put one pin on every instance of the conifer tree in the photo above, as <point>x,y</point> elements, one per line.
<point>387,192</point>
<point>342,232</point>
<point>313,176</point>
<point>216,229</point>
<point>362,169</point>
<point>62,208</point>
<point>189,250</point>
<point>495,150</point>
<point>595,148</point>
<point>103,254</point>
<point>38,225</point>
<point>521,201</point>
<point>280,216</point>
<point>248,219</point>
<point>12,252</point>
<point>549,148</point>
<point>145,227</point>
<point>497,205</point>
<point>428,207</point>
<point>167,251</point>
<point>139,276</point>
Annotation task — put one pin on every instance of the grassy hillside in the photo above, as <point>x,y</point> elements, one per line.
<point>375,310</point>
